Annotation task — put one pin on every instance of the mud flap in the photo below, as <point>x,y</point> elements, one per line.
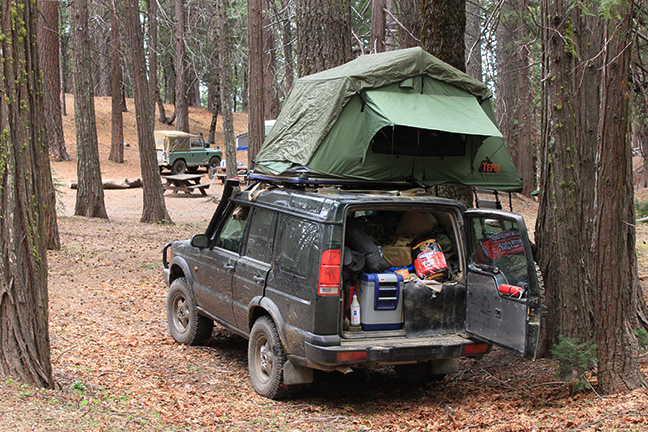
<point>297,374</point>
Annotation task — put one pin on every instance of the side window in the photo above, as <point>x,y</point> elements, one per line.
<point>260,234</point>
<point>299,246</point>
<point>498,243</point>
<point>197,144</point>
<point>231,234</point>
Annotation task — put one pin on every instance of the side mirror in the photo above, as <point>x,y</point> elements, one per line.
<point>199,241</point>
<point>206,145</point>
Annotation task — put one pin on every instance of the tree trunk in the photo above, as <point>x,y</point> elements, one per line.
<point>102,48</point>
<point>48,44</point>
<point>514,102</point>
<point>287,40</point>
<point>409,30</point>
<point>90,196</point>
<point>117,135</point>
<point>215,108</point>
<point>256,83</point>
<point>473,40</point>
<point>270,86</point>
<point>154,208</point>
<point>323,35</point>
<point>616,285</point>
<point>378,26</point>
<point>571,80</point>
<point>181,107</point>
<point>443,29</point>
<point>225,63</point>
<point>154,84</point>
<point>443,26</point>
<point>24,334</point>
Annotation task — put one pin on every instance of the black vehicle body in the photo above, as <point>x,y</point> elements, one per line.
<point>275,264</point>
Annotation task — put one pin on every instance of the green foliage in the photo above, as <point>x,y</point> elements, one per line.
<point>574,361</point>
<point>641,208</point>
<point>642,338</point>
<point>79,387</point>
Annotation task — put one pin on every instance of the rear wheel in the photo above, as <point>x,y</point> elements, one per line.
<point>266,359</point>
<point>185,324</point>
<point>179,167</point>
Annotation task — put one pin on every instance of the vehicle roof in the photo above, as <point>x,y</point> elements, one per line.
<point>328,204</point>
<point>173,133</point>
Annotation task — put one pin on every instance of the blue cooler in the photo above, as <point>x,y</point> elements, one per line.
<point>381,301</point>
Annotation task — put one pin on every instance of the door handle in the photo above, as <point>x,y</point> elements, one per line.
<point>229,267</point>
<point>259,279</point>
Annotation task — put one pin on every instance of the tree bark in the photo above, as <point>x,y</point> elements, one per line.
<point>443,26</point>
<point>90,196</point>
<point>181,106</point>
<point>514,102</point>
<point>154,208</point>
<point>215,108</point>
<point>256,82</point>
<point>287,41</point>
<point>473,40</point>
<point>225,63</point>
<point>154,84</point>
<point>100,35</point>
<point>48,44</point>
<point>323,35</point>
<point>24,334</point>
<point>571,83</point>
<point>616,285</point>
<point>378,26</point>
<point>409,17</point>
<point>117,132</point>
<point>271,86</point>
<point>443,29</point>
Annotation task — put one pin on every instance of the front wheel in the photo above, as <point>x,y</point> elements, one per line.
<point>266,359</point>
<point>185,324</point>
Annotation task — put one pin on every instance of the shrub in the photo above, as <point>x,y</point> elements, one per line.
<point>574,361</point>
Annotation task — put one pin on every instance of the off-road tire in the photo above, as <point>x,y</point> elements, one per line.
<point>185,324</point>
<point>179,167</point>
<point>266,359</point>
<point>214,161</point>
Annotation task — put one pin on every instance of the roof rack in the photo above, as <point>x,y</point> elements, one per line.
<point>346,183</point>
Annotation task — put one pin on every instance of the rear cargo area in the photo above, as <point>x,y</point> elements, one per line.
<point>401,272</point>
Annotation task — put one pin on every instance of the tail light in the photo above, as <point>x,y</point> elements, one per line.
<point>329,274</point>
<point>479,348</point>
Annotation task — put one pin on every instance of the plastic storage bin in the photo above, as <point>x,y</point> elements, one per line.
<point>381,301</point>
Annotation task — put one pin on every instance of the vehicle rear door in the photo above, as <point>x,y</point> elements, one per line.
<point>503,293</point>
<point>252,268</point>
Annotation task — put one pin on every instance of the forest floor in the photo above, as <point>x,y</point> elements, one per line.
<point>117,368</point>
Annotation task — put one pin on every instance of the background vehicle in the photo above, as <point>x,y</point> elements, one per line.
<point>180,151</point>
<point>281,264</point>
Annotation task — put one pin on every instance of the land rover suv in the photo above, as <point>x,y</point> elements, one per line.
<point>334,279</point>
<point>180,151</point>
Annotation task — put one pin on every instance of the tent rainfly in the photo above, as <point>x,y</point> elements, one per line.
<point>400,116</point>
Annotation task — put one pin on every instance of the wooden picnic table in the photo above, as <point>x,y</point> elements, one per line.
<point>186,183</point>
<point>220,172</point>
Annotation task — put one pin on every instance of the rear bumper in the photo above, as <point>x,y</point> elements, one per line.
<point>392,351</point>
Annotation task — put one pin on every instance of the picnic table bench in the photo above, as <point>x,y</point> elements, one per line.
<point>220,172</point>
<point>186,183</point>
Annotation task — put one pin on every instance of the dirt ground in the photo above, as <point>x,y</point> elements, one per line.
<point>117,368</point>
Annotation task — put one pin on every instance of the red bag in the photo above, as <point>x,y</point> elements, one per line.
<point>430,263</point>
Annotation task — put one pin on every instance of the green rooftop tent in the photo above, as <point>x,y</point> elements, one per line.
<point>396,116</point>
